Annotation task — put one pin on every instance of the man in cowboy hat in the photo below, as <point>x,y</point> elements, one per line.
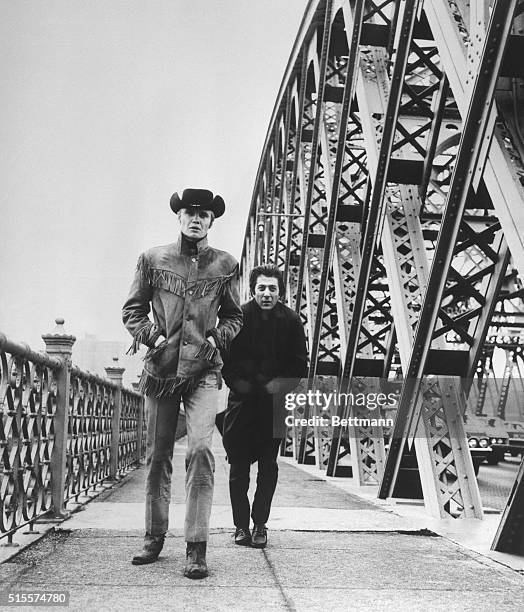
<point>188,285</point>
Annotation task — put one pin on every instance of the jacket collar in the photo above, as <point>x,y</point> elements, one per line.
<point>198,246</point>
<point>254,308</point>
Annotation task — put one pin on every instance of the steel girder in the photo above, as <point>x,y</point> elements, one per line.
<point>510,534</point>
<point>350,199</point>
<point>472,145</point>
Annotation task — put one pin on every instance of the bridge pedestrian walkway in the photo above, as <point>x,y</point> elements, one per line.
<point>327,550</point>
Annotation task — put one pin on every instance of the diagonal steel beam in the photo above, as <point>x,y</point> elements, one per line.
<point>501,174</point>
<point>510,533</point>
<point>484,321</point>
<point>326,34</point>
<point>281,208</point>
<point>438,114</point>
<point>347,97</point>
<point>471,143</point>
<point>377,202</point>
<point>374,208</point>
<point>296,160</point>
<point>270,191</point>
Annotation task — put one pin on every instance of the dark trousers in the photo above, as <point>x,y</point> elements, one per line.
<point>267,477</point>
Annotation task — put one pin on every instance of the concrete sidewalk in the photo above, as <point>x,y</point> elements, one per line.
<point>328,550</point>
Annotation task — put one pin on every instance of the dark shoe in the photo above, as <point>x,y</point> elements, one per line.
<point>196,566</point>
<point>242,537</point>
<point>152,547</point>
<point>259,536</point>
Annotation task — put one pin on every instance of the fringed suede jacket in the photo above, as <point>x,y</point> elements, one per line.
<point>188,285</point>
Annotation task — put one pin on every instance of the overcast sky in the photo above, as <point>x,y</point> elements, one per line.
<point>107,108</point>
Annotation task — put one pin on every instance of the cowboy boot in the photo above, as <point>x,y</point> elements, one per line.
<point>152,547</point>
<point>196,566</point>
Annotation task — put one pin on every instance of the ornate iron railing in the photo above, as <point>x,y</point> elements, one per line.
<point>91,407</point>
<point>63,432</point>
<point>27,432</point>
<point>130,431</point>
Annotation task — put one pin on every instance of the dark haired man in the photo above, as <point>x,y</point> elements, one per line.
<point>187,284</point>
<point>267,359</point>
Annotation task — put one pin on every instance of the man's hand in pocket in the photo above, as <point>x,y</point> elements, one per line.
<point>159,341</point>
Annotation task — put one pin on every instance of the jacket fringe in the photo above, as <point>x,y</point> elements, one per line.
<point>205,287</point>
<point>164,387</point>
<point>172,282</point>
<point>167,280</point>
<point>141,337</point>
<point>142,267</point>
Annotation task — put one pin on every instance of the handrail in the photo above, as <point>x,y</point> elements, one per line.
<point>96,378</point>
<point>23,350</point>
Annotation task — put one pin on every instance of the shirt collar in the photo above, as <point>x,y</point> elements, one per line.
<point>184,246</point>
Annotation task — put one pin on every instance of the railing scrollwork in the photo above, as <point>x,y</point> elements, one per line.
<point>59,439</point>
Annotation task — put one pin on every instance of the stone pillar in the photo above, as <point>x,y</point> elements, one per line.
<point>59,344</point>
<point>115,374</point>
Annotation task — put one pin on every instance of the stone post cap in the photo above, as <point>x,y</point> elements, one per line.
<point>114,372</point>
<point>59,341</point>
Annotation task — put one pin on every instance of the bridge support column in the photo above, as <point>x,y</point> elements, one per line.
<point>510,533</point>
<point>59,344</point>
<point>115,374</point>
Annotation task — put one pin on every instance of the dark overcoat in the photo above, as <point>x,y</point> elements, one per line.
<point>267,359</point>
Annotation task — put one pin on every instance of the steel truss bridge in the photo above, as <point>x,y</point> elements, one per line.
<point>390,191</point>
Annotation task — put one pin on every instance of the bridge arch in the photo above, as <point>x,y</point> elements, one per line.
<point>395,193</point>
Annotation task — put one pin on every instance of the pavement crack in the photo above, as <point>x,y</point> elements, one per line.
<point>289,603</point>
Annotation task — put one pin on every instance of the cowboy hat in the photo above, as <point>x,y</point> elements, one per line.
<point>198,198</point>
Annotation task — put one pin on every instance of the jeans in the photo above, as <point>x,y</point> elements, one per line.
<point>267,477</point>
<point>200,407</point>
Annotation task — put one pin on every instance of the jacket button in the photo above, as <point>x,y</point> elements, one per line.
<point>193,258</point>
<point>190,292</point>
<point>184,342</point>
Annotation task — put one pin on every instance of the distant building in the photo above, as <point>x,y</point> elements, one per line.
<point>94,355</point>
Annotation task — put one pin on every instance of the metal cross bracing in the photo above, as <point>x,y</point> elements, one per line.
<point>463,290</point>
<point>389,190</point>
<point>491,392</point>
<point>401,232</point>
<point>500,394</point>
<point>484,370</point>
<point>402,237</point>
<point>362,441</point>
